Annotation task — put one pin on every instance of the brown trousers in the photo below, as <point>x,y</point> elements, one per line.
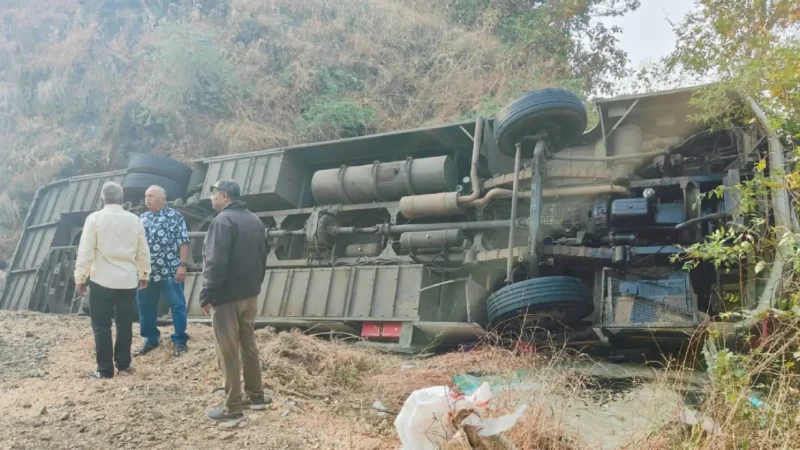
<point>234,330</point>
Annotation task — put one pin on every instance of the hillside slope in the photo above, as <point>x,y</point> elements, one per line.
<point>85,83</point>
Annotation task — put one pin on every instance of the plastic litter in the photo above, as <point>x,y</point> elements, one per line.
<point>467,384</point>
<point>498,425</point>
<point>693,418</point>
<point>426,420</point>
<point>380,408</point>
<point>756,402</point>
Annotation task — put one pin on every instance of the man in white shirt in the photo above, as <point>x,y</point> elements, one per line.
<point>113,248</point>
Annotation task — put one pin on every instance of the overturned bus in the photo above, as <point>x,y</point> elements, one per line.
<point>433,236</point>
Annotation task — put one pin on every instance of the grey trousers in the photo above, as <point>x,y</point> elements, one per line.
<point>234,332</point>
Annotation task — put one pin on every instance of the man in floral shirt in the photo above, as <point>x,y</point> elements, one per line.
<point>168,240</point>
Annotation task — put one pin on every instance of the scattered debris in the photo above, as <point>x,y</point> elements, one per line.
<point>380,408</point>
<point>230,423</point>
<point>226,435</point>
<point>434,416</point>
<point>693,418</point>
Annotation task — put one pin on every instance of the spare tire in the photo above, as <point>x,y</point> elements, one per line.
<point>160,165</point>
<point>564,299</point>
<point>134,186</point>
<point>557,112</point>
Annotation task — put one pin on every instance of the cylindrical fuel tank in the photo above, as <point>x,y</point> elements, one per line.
<point>387,181</point>
<point>430,205</point>
<point>431,239</point>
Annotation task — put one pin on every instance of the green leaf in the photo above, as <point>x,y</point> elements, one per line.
<point>760,266</point>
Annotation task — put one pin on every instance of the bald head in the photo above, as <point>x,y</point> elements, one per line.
<point>155,198</point>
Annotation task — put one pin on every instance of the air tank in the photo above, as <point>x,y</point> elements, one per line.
<point>388,181</point>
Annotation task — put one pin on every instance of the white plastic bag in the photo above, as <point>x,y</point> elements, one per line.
<point>425,422</point>
<point>498,425</point>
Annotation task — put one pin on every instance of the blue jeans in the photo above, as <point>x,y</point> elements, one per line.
<point>147,299</point>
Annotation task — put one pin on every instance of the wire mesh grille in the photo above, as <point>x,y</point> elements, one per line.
<point>649,300</point>
<point>564,214</point>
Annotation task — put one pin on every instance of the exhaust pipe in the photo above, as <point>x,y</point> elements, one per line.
<point>570,191</point>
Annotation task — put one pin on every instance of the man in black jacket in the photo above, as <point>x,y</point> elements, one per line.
<point>234,263</point>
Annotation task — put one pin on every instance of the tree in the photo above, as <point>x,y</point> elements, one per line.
<point>750,50</point>
<point>566,34</point>
<point>750,47</point>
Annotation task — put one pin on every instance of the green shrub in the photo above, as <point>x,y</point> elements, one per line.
<point>331,118</point>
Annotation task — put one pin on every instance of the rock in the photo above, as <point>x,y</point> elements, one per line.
<point>285,413</point>
<point>229,424</point>
<point>226,435</point>
<point>69,403</point>
<point>45,436</point>
<point>43,411</point>
<point>64,417</point>
<point>252,417</point>
<point>28,334</point>
<point>380,408</point>
<point>26,405</point>
<point>242,424</point>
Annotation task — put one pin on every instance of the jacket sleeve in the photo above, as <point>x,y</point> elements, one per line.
<point>85,257</point>
<point>143,254</point>
<point>219,239</point>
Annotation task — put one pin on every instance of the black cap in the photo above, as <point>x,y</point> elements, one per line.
<point>230,187</point>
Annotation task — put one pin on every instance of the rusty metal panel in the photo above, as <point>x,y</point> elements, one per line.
<point>78,194</point>
<point>34,248</point>
<point>274,180</point>
<point>14,294</point>
<point>83,194</point>
<point>318,286</point>
<point>364,292</point>
<point>386,286</point>
<point>47,206</point>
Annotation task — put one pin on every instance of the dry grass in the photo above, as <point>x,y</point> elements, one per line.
<point>763,369</point>
<point>332,385</point>
<point>327,387</point>
<point>76,77</point>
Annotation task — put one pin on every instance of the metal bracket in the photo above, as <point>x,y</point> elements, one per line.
<point>409,184</point>
<point>340,185</point>
<point>535,218</point>
<point>374,171</point>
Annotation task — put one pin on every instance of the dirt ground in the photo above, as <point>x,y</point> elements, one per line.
<point>322,394</point>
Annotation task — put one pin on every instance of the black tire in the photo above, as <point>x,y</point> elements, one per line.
<point>134,186</point>
<point>558,112</point>
<point>160,165</point>
<point>565,297</point>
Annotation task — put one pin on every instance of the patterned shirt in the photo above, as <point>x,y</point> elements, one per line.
<point>166,232</point>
